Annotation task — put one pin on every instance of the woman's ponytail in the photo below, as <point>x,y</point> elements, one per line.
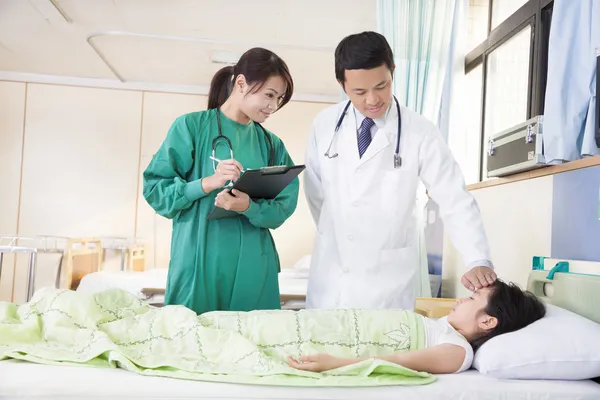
<point>220,87</point>
<point>257,65</point>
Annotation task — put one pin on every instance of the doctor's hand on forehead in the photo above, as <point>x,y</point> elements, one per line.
<point>478,277</point>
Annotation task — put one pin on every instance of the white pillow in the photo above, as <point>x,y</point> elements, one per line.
<point>562,345</point>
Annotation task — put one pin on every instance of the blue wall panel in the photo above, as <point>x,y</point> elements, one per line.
<point>575,219</point>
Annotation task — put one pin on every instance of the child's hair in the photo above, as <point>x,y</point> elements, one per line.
<point>257,65</point>
<point>514,309</point>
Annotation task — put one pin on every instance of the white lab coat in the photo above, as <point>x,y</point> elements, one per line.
<point>365,253</point>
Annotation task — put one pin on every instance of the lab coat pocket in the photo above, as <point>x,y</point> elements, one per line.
<point>398,265</point>
<point>394,278</point>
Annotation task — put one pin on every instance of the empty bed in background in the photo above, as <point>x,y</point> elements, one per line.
<point>150,285</point>
<point>123,254</point>
<point>53,261</point>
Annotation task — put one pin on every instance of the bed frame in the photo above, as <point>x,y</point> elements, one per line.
<point>80,250</point>
<point>79,256</point>
<point>133,253</point>
<point>578,293</point>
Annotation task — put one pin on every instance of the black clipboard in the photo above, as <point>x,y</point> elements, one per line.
<point>265,183</point>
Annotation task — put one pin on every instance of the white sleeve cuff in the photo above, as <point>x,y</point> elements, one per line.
<point>481,263</point>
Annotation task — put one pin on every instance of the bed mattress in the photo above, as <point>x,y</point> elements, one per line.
<point>22,380</point>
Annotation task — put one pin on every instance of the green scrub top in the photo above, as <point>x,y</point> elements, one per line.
<point>227,264</point>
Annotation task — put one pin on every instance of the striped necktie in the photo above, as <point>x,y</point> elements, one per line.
<point>364,137</point>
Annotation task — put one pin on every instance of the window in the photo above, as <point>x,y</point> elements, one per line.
<point>502,9</point>
<point>509,53</point>
<point>507,85</point>
<point>471,146</point>
<point>479,11</point>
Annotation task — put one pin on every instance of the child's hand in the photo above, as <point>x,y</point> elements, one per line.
<point>317,362</point>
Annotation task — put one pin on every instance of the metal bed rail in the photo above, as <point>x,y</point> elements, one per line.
<point>34,245</point>
<point>122,245</point>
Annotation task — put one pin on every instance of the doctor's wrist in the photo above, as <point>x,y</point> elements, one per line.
<point>208,184</point>
<point>252,210</point>
<point>194,190</point>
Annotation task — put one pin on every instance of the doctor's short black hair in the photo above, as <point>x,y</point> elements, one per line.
<point>366,50</point>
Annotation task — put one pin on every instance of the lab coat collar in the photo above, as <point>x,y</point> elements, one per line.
<point>386,129</point>
<point>379,122</point>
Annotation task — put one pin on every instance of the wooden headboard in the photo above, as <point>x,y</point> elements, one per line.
<point>81,257</point>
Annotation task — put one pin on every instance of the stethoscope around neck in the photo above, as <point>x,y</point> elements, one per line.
<point>222,138</point>
<point>397,158</point>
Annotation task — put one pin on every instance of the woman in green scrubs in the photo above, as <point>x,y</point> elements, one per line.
<point>230,263</point>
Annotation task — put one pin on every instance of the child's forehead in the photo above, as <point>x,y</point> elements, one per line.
<point>483,292</point>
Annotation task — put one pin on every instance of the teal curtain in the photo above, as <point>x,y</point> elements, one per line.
<point>422,34</point>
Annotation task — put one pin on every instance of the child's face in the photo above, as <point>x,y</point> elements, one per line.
<point>468,315</point>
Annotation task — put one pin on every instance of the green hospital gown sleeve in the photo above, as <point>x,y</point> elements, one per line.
<point>271,214</point>
<point>165,187</point>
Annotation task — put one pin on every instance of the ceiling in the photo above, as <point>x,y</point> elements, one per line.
<point>174,42</point>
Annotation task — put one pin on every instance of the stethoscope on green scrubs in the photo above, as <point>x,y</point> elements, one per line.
<point>222,138</point>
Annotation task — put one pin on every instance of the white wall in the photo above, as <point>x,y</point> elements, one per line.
<point>84,150</point>
<point>160,110</point>
<point>79,161</point>
<point>12,110</point>
<point>517,218</point>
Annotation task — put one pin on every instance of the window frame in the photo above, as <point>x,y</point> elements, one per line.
<point>537,14</point>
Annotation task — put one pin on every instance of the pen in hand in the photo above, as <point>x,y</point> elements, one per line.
<point>217,160</point>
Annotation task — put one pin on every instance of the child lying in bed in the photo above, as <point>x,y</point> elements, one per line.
<point>451,341</point>
<point>113,328</point>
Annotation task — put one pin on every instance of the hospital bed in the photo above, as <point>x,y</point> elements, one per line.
<point>150,285</point>
<point>131,253</point>
<point>53,261</point>
<point>20,380</point>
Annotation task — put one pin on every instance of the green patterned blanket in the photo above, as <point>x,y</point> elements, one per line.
<point>115,329</point>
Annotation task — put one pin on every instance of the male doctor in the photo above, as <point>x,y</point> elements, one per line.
<point>362,195</point>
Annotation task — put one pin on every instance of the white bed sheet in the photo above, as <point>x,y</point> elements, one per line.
<point>132,282</point>
<point>21,380</point>
<point>292,286</point>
